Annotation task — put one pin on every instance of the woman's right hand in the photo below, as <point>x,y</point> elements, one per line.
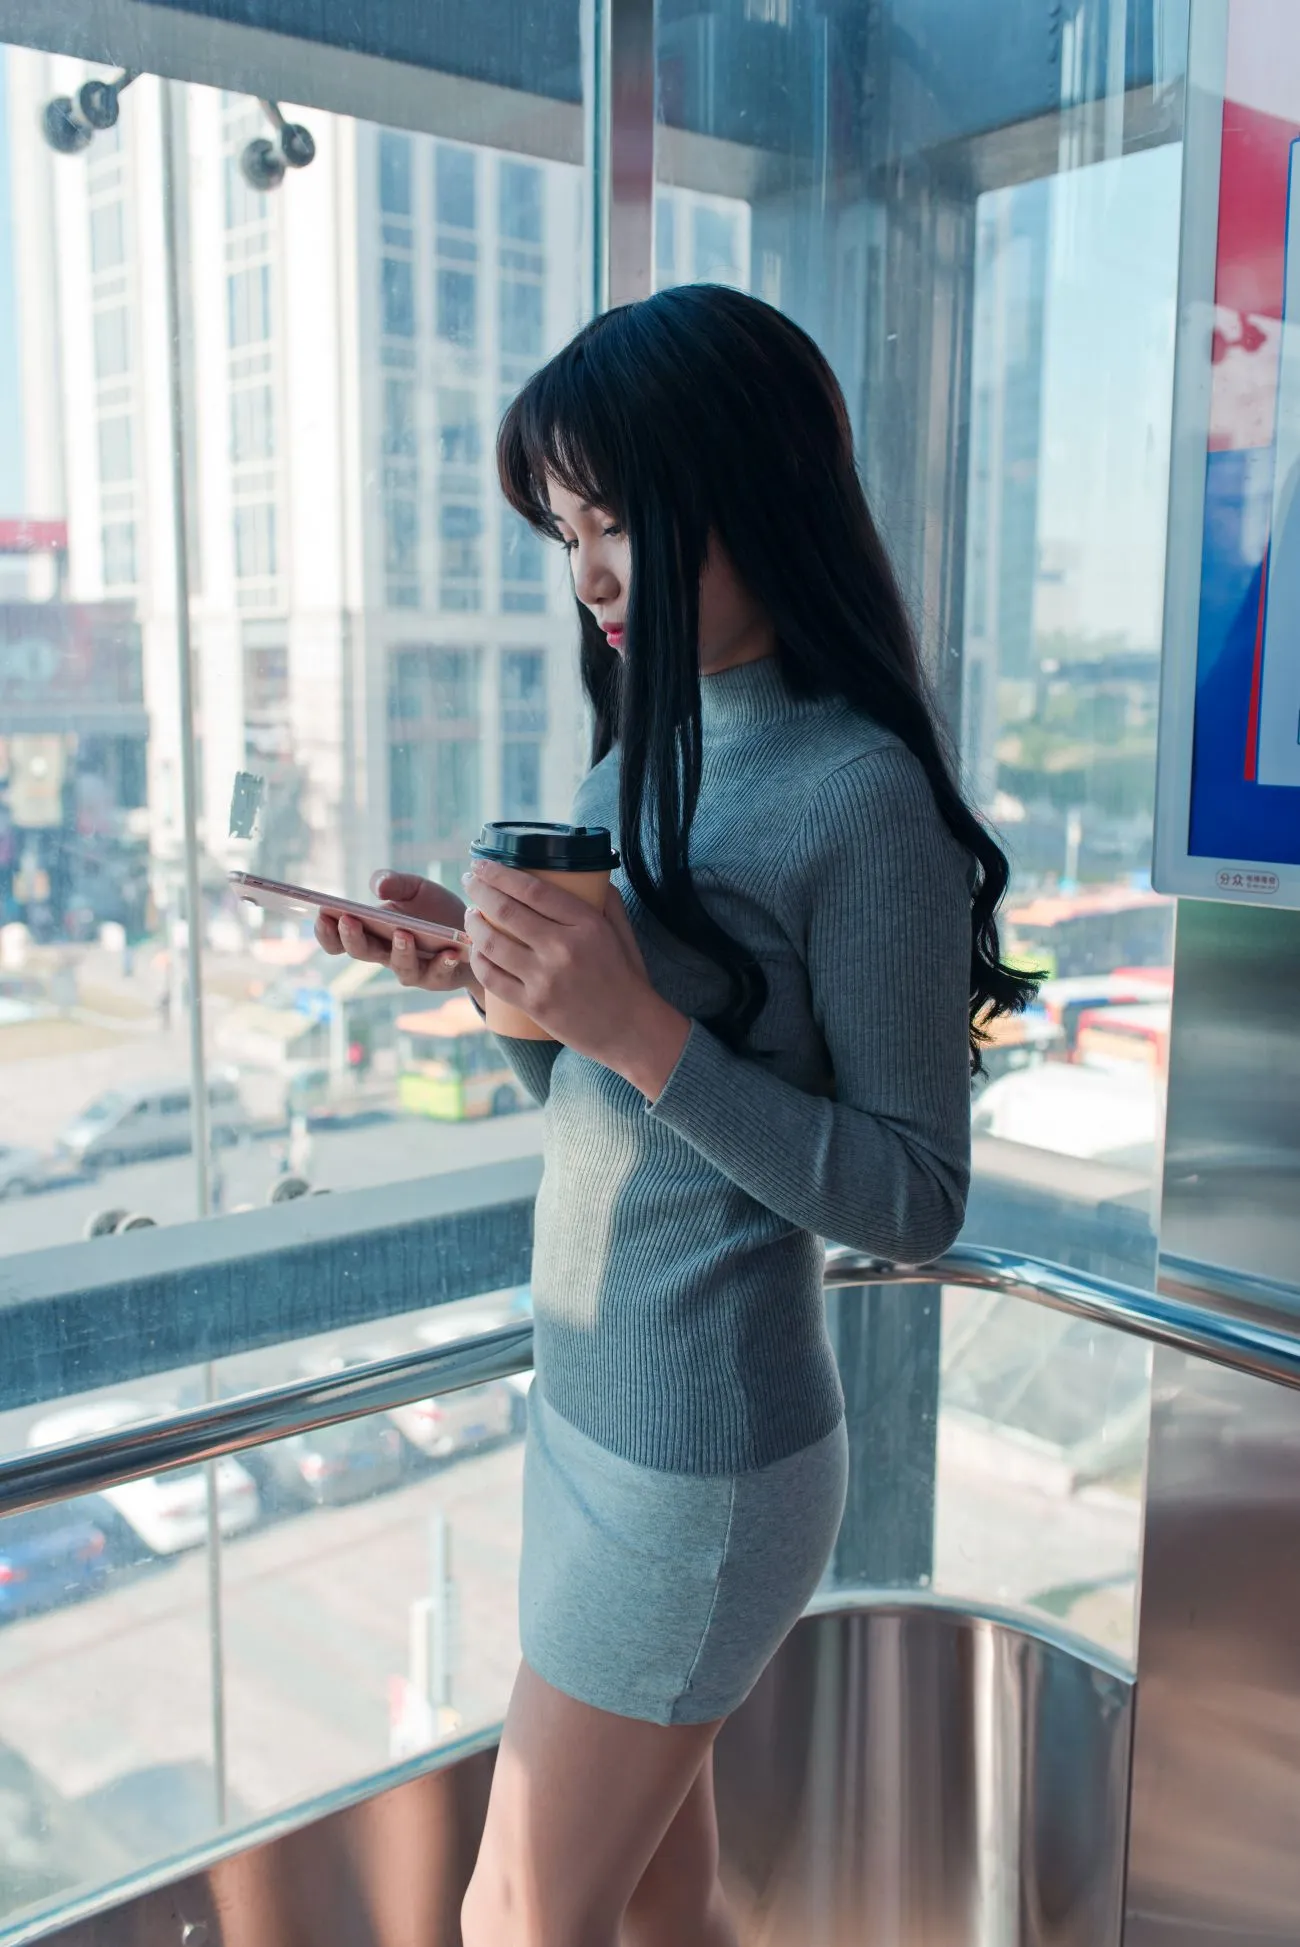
<point>406,892</point>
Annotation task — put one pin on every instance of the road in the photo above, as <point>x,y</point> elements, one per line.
<point>392,1150</point>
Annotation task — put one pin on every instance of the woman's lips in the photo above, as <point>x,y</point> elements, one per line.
<point>614,635</point>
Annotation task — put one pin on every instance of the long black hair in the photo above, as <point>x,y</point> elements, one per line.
<point>702,413</point>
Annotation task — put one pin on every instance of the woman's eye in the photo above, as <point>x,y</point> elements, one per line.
<point>568,546</point>
<point>612,532</point>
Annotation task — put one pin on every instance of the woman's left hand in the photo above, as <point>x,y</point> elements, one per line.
<point>576,971</point>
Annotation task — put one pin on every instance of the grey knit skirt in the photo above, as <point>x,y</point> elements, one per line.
<point>663,1596</point>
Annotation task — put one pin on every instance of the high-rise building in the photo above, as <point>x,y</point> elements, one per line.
<point>374,633</point>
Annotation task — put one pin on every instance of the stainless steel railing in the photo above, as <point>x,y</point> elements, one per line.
<point>1233,1336</point>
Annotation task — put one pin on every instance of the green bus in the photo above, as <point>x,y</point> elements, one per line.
<point>451,1068</point>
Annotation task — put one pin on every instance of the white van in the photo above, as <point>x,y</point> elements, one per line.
<point>1107,1116</point>
<point>128,1125</point>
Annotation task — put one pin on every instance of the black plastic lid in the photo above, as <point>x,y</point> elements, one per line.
<point>534,847</point>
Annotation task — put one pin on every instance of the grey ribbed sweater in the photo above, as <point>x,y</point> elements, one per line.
<point>677,1268</point>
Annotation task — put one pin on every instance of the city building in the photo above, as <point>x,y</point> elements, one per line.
<point>375,635</point>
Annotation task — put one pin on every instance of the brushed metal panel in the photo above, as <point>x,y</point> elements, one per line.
<point>1215,1835</point>
<point>1232,1145</point>
<point>912,1776</point>
<point>904,1774</point>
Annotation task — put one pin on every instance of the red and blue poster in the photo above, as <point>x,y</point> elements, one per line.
<point>1228,818</point>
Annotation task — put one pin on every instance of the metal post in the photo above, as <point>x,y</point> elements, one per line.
<point>595,29</point>
<point>171,173</point>
<point>630,178</point>
<point>180,551</point>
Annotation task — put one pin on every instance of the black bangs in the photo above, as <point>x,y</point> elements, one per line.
<point>559,426</point>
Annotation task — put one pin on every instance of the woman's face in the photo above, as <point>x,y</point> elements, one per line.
<point>733,628</point>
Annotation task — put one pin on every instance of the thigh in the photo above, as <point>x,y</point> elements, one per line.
<point>679,1888</point>
<point>580,1802</point>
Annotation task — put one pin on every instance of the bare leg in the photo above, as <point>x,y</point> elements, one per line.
<point>679,1900</point>
<point>581,1800</point>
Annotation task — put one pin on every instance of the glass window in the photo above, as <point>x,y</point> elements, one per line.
<point>107,236</point>
<point>665,242</point>
<point>397,295</point>
<point>459,438</point>
<point>374,751</point>
<point>460,526</point>
<point>523,690</point>
<point>118,544</point>
<point>999,308</point>
<point>115,463</point>
<point>243,204</point>
<point>521,317</point>
<point>266,679</point>
<point>401,537</point>
<point>715,238</point>
<point>521,778</point>
<point>455,184</point>
<point>255,540</point>
<point>394,173</point>
<point>456,787</point>
<point>404,785</point>
<point>399,417</point>
<point>519,214</point>
<point>523,566</point>
<point>248,305</point>
<point>457,305</point>
<point>252,423</point>
<point>455,684</point>
<point>112,342</point>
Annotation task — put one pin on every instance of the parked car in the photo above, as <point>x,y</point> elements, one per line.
<point>336,1463</point>
<point>49,1555</point>
<point>156,1119</point>
<point>167,1512</point>
<point>21,1171</point>
<point>469,1417</point>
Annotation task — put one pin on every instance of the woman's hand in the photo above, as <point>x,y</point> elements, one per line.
<point>422,899</point>
<point>576,971</point>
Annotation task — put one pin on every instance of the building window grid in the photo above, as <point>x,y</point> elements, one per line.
<point>435,741</point>
<point>251,372</point>
<point>456,246</point>
<point>113,331</point>
<point>460,500</point>
<point>523,726</point>
<point>521,270</point>
<point>397,301</point>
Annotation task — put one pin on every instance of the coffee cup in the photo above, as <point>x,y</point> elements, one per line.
<point>578,857</point>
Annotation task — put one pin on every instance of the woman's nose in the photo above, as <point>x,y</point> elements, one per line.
<point>592,582</point>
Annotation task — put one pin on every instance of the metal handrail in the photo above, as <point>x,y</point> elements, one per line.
<point>204,1433</point>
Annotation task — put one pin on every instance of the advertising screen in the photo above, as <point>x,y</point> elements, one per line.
<point>1228,809</point>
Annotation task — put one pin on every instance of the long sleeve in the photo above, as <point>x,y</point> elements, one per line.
<point>879,892</point>
<point>532,1062</point>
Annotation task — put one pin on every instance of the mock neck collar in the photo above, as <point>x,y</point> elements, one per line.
<point>749,697</point>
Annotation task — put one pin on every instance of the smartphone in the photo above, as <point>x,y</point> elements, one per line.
<point>382,921</point>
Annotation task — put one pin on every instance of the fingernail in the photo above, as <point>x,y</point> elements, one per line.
<point>402,940</point>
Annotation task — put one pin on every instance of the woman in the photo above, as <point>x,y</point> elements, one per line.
<point>763,1041</point>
